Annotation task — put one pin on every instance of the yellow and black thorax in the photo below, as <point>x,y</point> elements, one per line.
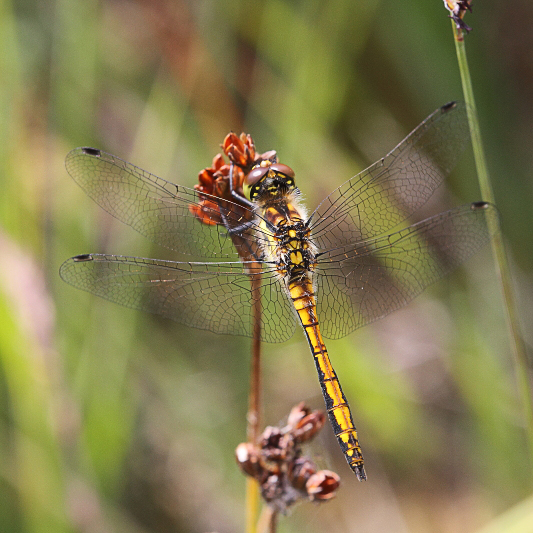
<point>276,198</point>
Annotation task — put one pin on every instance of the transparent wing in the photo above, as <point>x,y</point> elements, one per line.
<point>161,210</point>
<point>388,192</point>
<point>362,282</point>
<point>212,296</point>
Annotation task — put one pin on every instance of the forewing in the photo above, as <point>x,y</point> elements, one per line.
<point>362,282</point>
<point>158,209</point>
<point>388,192</point>
<point>212,296</point>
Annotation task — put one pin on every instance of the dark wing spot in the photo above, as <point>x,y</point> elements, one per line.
<point>448,107</point>
<point>91,151</point>
<point>84,257</point>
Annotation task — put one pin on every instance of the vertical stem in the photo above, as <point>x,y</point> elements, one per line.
<point>273,522</point>
<point>252,504</point>
<point>268,522</point>
<point>254,399</point>
<point>517,342</point>
<point>253,416</point>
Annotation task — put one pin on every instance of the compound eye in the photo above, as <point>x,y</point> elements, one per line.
<point>255,175</point>
<point>283,169</point>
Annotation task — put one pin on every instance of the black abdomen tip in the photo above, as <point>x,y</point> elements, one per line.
<point>359,471</point>
<point>91,151</point>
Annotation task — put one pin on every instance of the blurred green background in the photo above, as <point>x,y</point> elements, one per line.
<point>112,420</point>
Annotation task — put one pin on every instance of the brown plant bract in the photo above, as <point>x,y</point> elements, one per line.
<point>214,183</point>
<point>284,474</point>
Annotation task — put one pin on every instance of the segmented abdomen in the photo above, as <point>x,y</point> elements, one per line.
<point>303,298</point>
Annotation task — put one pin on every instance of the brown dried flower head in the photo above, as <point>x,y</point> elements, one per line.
<point>277,462</point>
<point>214,183</point>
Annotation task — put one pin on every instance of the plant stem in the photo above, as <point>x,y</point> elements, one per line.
<point>254,400</point>
<point>268,522</point>
<point>517,342</point>
<point>252,504</point>
<point>273,522</point>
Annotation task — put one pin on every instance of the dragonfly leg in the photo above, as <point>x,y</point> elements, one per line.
<point>235,229</point>
<point>235,194</point>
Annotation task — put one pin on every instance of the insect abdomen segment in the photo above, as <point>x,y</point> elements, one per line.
<point>302,296</point>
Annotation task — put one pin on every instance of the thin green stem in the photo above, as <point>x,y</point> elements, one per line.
<point>517,342</point>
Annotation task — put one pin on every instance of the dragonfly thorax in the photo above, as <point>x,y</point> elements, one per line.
<point>290,245</point>
<point>296,253</point>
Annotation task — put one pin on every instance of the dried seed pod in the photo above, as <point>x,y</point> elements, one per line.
<point>298,412</point>
<point>323,485</point>
<point>284,475</point>
<point>247,457</point>
<point>300,471</point>
<point>309,426</point>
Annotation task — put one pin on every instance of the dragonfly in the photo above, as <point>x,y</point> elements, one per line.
<point>353,260</point>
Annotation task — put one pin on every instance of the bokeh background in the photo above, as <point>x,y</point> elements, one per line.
<point>112,420</point>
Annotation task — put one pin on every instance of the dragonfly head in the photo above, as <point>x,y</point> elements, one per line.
<point>268,180</point>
